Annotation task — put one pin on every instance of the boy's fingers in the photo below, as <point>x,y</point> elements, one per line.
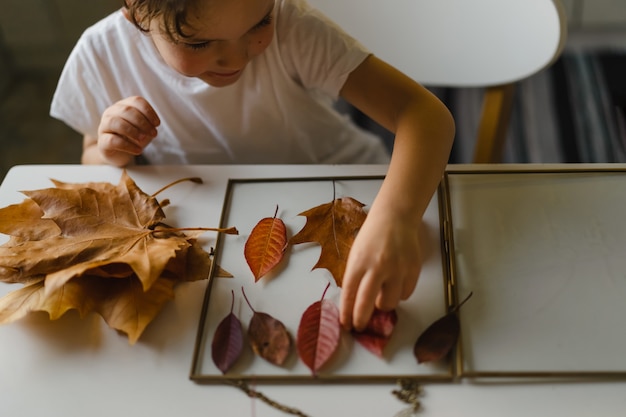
<point>366,296</point>
<point>146,109</point>
<point>389,296</point>
<point>114,143</point>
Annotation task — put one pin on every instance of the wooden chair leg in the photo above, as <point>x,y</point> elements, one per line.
<point>494,122</point>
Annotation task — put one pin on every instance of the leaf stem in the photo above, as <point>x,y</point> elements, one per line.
<point>332,208</point>
<point>227,230</point>
<point>195,180</point>
<point>325,289</point>
<point>463,302</point>
<point>247,301</point>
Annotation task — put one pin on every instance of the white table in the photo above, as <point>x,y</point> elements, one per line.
<point>73,367</point>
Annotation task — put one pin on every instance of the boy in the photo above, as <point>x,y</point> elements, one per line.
<point>252,81</point>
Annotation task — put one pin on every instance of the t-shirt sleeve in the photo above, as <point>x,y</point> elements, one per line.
<point>82,95</point>
<point>316,51</point>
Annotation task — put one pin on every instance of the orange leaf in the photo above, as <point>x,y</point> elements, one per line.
<point>334,226</point>
<point>265,246</point>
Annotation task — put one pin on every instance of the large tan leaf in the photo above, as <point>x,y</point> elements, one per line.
<point>100,225</point>
<point>24,222</point>
<point>121,302</point>
<point>125,306</point>
<point>32,297</point>
<point>96,247</point>
<point>63,258</point>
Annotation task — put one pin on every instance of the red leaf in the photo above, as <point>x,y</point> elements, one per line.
<point>268,336</point>
<point>318,333</point>
<point>265,246</point>
<point>439,338</point>
<point>378,331</point>
<point>227,342</point>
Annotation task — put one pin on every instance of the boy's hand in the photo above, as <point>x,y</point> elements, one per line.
<point>383,267</point>
<point>125,129</point>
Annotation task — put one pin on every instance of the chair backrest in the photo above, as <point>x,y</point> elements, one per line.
<point>461,43</point>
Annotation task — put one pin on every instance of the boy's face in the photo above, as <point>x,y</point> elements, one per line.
<point>225,36</point>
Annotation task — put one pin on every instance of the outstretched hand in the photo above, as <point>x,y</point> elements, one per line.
<point>383,268</point>
<point>125,129</point>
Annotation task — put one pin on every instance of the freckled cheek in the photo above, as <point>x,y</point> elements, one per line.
<point>180,61</point>
<point>259,43</point>
<point>189,66</point>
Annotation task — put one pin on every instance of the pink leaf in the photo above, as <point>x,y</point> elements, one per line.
<point>378,331</point>
<point>318,334</point>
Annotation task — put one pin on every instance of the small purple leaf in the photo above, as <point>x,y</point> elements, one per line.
<point>227,342</point>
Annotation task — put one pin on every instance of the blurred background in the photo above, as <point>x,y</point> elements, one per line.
<point>582,125</point>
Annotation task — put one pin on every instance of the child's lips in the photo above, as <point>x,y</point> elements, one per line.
<point>225,74</point>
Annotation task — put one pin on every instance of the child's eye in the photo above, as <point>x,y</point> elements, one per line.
<point>197,46</point>
<point>265,22</point>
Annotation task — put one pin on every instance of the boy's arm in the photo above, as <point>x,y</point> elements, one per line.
<point>91,154</point>
<point>384,261</point>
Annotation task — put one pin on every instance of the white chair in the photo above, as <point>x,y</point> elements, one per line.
<point>461,43</point>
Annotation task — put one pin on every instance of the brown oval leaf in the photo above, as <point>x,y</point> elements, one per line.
<point>265,246</point>
<point>318,333</point>
<point>378,331</point>
<point>268,336</point>
<point>439,338</point>
<point>227,342</point>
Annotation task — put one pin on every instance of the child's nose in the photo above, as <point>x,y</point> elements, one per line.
<point>233,55</point>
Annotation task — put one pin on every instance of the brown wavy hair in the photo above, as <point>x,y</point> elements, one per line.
<point>172,14</point>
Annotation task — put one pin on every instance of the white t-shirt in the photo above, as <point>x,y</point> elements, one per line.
<point>279,111</point>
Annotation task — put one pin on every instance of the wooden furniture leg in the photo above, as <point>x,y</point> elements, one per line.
<point>496,114</point>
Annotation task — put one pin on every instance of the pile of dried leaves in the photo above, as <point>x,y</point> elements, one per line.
<point>96,247</point>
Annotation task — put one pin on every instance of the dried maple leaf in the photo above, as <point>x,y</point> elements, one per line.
<point>25,222</point>
<point>122,302</point>
<point>268,336</point>
<point>439,338</point>
<point>227,343</point>
<point>378,331</point>
<point>318,333</point>
<point>334,226</point>
<point>67,243</point>
<point>266,245</point>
